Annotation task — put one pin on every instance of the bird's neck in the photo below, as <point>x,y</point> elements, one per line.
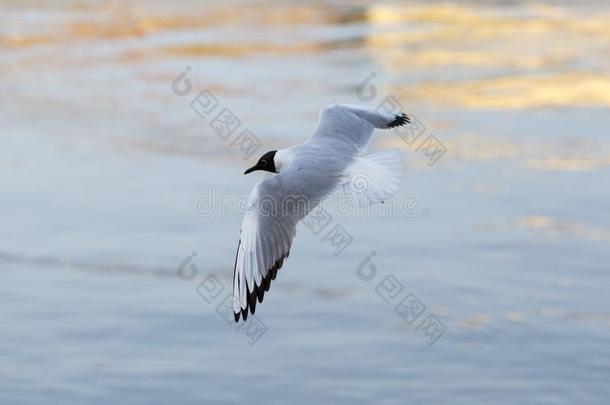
<point>282,159</point>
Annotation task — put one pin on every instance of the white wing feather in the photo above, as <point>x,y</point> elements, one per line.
<point>268,228</point>
<point>353,125</point>
<point>261,251</point>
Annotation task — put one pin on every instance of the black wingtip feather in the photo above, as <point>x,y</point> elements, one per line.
<point>252,300</point>
<point>259,291</point>
<point>273,272</point>
<point>399,120</point>
<point>266,282</point>
<point>253,304</point>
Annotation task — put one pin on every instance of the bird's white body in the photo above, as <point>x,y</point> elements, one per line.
<point>306,174</point>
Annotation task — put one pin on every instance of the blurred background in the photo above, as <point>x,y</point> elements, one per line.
<point>106,170</point>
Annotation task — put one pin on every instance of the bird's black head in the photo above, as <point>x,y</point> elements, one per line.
<point>264,163</point>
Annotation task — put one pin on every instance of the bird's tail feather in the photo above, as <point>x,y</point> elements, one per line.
<point>375,177</point>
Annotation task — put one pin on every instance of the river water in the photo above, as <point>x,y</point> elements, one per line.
<point>122,200</point>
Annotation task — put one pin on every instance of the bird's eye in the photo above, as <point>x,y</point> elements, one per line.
<point>263,162</point>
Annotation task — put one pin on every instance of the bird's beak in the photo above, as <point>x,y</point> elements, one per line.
<point>253,168</point>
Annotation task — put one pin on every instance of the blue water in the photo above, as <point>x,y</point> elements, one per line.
<point>106,176</point>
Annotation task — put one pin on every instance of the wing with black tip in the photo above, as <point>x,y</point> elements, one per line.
<point>354,124</point>
<point>267,231</point>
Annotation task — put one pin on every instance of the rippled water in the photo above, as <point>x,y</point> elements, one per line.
<point>107,176</point>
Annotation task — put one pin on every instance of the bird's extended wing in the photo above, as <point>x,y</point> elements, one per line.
<point>353,125</point>
<point>268,227</point>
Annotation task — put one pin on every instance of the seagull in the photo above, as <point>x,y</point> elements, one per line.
<point>305,174</point>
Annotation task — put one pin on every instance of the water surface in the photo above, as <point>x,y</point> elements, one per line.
<point>106,170</point>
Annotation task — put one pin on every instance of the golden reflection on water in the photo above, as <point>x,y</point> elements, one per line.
<point>475,322</point>
<point>114,19</point>
<point>542,56</point>
<point>556,228</point>
<point>569,163</point>
<point>490,22</point>
<point>473,56</point>
<point>412,37</point>
<point>552,90</point>
<point>551,155</point>
<point>422,58</point>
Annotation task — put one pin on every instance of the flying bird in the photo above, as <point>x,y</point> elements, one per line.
<point>305,174</point>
